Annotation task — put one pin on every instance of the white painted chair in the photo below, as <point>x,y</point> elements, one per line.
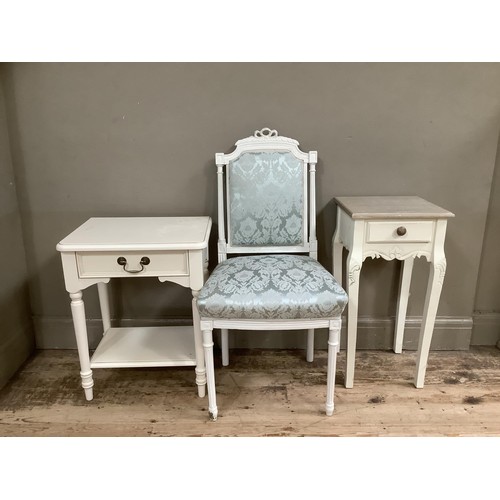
<point>266,200</point>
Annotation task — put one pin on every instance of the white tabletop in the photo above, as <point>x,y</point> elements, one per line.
<point>138,233</point>
<point>391,207</point>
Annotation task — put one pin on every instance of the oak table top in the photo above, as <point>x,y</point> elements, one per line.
<point>391,207</point>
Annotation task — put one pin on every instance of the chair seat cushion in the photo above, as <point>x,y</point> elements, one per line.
<point>271,287</point>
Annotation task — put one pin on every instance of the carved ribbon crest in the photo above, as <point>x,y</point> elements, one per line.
<point>265,132</point>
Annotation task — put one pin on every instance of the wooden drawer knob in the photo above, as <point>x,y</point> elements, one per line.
<point>401,231</point>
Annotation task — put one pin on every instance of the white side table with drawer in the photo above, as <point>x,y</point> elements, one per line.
<point>169,248</point>
<point>391,227</point>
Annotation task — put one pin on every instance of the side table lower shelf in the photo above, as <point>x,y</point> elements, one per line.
<point>145,347</point>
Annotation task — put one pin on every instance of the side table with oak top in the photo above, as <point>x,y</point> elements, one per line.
<point>391,227</point>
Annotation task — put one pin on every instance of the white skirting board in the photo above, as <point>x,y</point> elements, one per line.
<point>450,333</point>
<point>486,329</point>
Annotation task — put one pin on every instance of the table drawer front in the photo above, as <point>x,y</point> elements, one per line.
<point>399,231</point>
<point>105,264</point>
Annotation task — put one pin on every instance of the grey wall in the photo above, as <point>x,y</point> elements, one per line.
<point>139,139</point>
<point>16,331</point>
<point>487,307</point>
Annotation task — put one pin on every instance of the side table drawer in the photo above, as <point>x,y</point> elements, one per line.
<point>105,264</point>
<point>400,231</point>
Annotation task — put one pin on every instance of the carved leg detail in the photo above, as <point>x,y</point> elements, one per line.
<point>79,322</point>
<point>354,270</point>
<point>310,346</point>
<point>434,286</point>
<point>337,248</point>
<point>404,291</point>
<point>333,348</point>
<point>208,346</point>
<point>200,372</point>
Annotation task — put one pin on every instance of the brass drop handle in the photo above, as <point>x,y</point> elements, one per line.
<point>122,261</point>
<point>401,231</point>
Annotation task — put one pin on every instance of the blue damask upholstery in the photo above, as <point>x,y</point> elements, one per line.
<point>271,287</point>
<point>266,199</point>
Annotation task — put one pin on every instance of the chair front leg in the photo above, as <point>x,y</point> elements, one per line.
<point>333,349</point>
<point>310,346</point>
<point>224,340</point>
<point>208,347</point>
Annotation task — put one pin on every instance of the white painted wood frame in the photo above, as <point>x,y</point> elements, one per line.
<point>391,227</point>
<point>177,251</point>
<point>268,140</point>
<point>207,325</point>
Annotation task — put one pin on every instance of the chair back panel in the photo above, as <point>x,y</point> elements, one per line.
<point>266,200</point>
<point>266,197</point>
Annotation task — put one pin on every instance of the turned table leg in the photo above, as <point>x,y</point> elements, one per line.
<point>201,378</point>
<point>102,290</point>
<point>79,322</point>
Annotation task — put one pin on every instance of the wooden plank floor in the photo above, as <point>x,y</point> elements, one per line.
<point>261,393</point>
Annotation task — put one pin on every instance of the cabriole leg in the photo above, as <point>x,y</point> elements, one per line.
<point>337,248</point>
<point>354,271</point>
<point>208,347</point>
<point>404,292</point>
<point>436,277</point>
<point>79,322</point>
